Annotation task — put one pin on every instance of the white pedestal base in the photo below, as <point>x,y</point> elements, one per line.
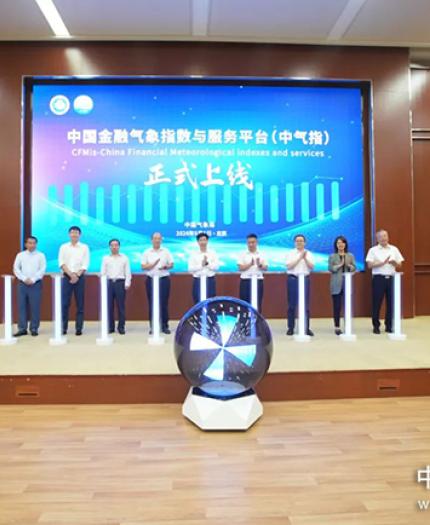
<point>302,338</point>
<point>8,342</point>
<point>156,340</point>
<point>104,341</point>
<point>397,337</point>
<point>54,341</point>
<point>215,414</point>
<point>348,337</point>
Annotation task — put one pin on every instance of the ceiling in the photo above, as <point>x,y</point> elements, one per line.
<point>330,22</point>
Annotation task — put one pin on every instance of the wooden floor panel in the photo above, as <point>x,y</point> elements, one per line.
<point>334,462</point>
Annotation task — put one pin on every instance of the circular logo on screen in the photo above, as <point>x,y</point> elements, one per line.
<point>59,105</point>
<point>83,104</point>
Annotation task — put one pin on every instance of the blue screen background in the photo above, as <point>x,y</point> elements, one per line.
<point>285,192</point>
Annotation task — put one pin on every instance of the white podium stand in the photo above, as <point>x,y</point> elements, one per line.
<point>397,334</point>
<point>203,296</point>
<point>57,338</point>
<point>254,292</point>
<point>8,338</point>
<point>302,336</point>
<point>104,339</point>
<point>208,413</point>
<point>155,339</point>
<point>203,287</point>
<point>347,308</point>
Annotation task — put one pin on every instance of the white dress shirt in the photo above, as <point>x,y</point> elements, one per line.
<point>151,255</point>
<point>75,256</point>
<point>196,260</point>
<point>117,267</point>
<point>378,254</point>
<point>246,258</point>
<point>301,266</point>
<point>29,265</point>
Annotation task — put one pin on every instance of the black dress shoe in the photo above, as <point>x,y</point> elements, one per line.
<point>376,331</point>
<point>166,331</point>
<point>388,331</point>
<point>78,332</point>
<point>337,331</point>
<point>64,332</point>
<point>111,331</point>
<point>290,331</point>
<point>309,332</point>
<point>34,333</point>
<point>20,333</point>
<point>122,331</point>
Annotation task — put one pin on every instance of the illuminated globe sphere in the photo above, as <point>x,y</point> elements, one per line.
<point>223,347</point>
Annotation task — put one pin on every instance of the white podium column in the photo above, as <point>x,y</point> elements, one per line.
<point>301,335</point>
<point>347,308</point>
<point>156,339</point>
<point>203,297</point>
<point>8,338</point>
<point>104,338</point>
<point>397,334</point>
<point>203,287</point>
<point>254,292</point>
<point>57,338</point>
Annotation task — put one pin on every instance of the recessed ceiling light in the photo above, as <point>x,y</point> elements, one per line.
<point>53,18</point>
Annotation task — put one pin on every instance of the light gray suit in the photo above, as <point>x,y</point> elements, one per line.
<point>336,278</point>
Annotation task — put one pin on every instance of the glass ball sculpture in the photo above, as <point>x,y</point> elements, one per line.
<point>223,347</point>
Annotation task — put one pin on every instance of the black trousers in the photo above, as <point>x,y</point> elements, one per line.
<point>116,296</point>
<point>382,286</point>
<point>293,300</point>
<point>164,300</point>
<point>78,290</point>
<point>245,291</point>
<point>210,288</point>
<point>337,306</point>
<point>29,299</point>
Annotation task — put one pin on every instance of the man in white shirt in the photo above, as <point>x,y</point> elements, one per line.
<point>74,260</point>
<point>116,267</point>
<point>299,261</point>
<point>29,268</point>
<point>383,259</point>
<point>158,261</point>
<point>203,262</point>
<point>250,263</point>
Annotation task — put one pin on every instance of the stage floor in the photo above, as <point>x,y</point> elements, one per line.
<point>131,354</point>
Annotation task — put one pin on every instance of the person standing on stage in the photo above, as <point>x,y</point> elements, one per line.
<point>29,268</point>
<point>299,261</point>
<point>251,263</point>
<point>339,262</point>
<point>203,262</point>
<point>158,261</point>
<point>383,259</point>
<point>116,267</point>
<point>74,260</point>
